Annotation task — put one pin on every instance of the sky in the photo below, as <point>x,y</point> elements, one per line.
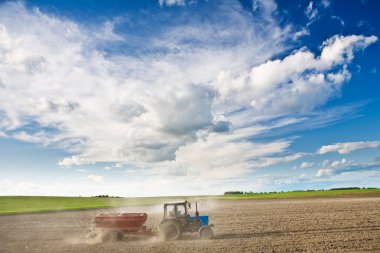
<point>188,97</point>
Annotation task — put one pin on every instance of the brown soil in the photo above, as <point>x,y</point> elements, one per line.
<point>311,225</point>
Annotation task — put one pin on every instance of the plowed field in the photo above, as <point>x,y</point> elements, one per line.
<point>307,225</point>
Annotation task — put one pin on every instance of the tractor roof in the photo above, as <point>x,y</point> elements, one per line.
<point>176,203</point>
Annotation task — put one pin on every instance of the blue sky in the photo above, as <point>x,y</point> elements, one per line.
<point>175,97</point>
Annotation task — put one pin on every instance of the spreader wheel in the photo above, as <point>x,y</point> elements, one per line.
<point>205,233</point>
<point>111,236</point>
<point>170,231</point>
<point>119,236</point>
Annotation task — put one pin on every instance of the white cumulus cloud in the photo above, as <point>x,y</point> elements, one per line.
<point>118,108</point>
<point>303,81</point>
<point>73,160</point>
<point>347,147</point>
<point>306,165</point>
<point>171,2</point>
<point>185,108</point>
<point>345,166</point>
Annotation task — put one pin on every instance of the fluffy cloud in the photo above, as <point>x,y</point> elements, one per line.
<point>306,165</point>
<point>73,160</point>
<point>217,157</point>
<point>119,107</point>
<point>347,147</point>
<point>311,11</point>
<point>186,100</point>
<point>324,172</point>
<point>343,166</point>
<point>270,161</point>
<point>39,137</point>
<point>304,81</point>
<point>315,8</point>
<point>334,167</point>
<point>171,2</point>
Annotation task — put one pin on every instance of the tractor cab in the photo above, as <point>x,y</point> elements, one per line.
<point>176,209</point>
<point>177,220</point>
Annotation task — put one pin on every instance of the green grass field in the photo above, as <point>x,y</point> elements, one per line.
<point>32,204</point>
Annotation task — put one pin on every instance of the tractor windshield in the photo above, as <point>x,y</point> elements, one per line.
<point>181,210</point>
<point>171,211</point>
<point>175,210</point>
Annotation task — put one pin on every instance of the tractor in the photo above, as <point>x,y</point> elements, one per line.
<point>177,220</point>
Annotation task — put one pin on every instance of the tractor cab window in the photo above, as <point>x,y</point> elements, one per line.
<point>181,210</point>
<point>171,211</point>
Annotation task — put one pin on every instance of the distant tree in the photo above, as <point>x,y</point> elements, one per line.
<point>345,188</point>
<point>233,192</point>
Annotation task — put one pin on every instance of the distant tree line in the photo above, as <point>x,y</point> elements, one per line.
<point>346,188</point>
<point>332,189</point>
<point>105,196</point>
<point>233,192</point>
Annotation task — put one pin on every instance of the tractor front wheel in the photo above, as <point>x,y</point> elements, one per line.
<point>170,231</point>
<point>205,233</point>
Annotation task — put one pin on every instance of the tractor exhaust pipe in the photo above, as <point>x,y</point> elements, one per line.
<point>196,209</point>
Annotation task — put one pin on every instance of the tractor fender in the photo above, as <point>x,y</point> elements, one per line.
<point>172,219</point>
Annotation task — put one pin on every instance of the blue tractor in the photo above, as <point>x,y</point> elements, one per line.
<point>177,220</point>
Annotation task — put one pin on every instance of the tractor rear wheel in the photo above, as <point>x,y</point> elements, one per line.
<point>170,231</point>
<point>205,233</point>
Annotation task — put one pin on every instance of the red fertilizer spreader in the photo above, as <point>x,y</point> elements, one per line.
<point>115,225</point>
